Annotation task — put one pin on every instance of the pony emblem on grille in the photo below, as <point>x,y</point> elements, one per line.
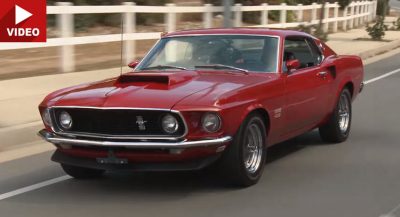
<point>141,123</point>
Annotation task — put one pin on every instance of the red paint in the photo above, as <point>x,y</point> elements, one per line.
<point>295,102</point>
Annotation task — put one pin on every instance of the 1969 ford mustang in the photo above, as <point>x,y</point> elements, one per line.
<point>211,97</point>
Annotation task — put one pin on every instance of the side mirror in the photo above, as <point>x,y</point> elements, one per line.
<point>292,64</point>
<point>133,64</point>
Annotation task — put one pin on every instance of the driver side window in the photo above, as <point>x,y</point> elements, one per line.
<point>301,48</point>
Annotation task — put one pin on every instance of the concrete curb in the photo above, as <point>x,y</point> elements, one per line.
<point>25,150</point>
<point>14,136</point>
<point>380,50</point>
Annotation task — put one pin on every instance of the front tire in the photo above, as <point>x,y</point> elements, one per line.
<point>338,127</point>
<point>243,162</point>
<point>81,172</point>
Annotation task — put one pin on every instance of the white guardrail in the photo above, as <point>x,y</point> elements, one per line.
<point>357,13</point>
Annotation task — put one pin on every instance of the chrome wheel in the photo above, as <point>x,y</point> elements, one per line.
<point>344,113</point>
<point>253,148</point>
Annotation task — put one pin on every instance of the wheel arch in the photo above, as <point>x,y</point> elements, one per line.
<point>349,85</point>
<point>345,83</point>
<point>261,111</point>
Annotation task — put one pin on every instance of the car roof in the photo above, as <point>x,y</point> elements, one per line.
<point>240,30</point>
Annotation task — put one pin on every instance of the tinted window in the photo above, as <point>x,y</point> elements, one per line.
<point>303,50</point>
<point>316,52</point>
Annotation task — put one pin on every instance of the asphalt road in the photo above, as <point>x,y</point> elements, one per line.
<point>303,177</point>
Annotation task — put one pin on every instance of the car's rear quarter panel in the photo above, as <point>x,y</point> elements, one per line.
<point>349,69</point>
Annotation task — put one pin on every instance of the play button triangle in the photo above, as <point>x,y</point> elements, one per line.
<point>21,14</point>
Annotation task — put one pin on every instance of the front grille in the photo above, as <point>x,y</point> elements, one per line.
<point>116,122</point>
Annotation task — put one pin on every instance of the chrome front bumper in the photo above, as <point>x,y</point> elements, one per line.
<point>53,138</point>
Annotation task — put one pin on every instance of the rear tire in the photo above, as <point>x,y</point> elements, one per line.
<point>338,127</point>
<point>242,164</point>
<point>81,172</point>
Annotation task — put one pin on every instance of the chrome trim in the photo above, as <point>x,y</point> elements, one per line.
<point>107,136</point>
<point>219,34</point>
<point>53,138</point>
<point>145,56</point>
<point>320,48</point>
<point>219,118</point>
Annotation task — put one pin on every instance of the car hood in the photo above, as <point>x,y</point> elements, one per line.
<point>160,90</point>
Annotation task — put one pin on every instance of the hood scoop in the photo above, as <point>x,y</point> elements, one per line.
<point>161,78</point>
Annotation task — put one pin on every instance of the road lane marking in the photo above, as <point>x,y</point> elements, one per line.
<point>382,76</point>
<point>33,187</point>
<point>392,212</point>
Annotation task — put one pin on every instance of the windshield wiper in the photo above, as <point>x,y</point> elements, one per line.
<point>221,66</point>
<point>163,67</point>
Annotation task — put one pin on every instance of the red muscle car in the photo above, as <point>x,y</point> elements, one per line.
<point>216,97</point>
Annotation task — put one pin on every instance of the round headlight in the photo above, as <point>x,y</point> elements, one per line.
<point>211,122</point>
<point>169,124</point>
<point>46,117</point>
<point>65,120</point>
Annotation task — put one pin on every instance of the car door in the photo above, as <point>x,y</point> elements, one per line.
<point>305,87</point>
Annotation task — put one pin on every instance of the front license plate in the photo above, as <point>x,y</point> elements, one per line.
<point>111,159</point>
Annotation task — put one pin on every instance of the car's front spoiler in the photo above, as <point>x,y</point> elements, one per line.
<point>55,139</point>
<point>187,165</point>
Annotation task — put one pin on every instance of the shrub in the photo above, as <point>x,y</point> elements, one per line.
<point>344,3</point>
<point>275,15</point>
<point>377,31</point>
<point>396,25</point>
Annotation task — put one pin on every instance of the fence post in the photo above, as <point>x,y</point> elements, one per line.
<point>300,13</point>
<point>362,10</point>
<point>351,20</point>
<point>326,17</point>
<point>65,25</point>
<point>129,27</point>
<point>282,18</point>
<point>370,9</point>
<point>264,14</point>
<point>344,24</point>
<point>207,16</point>
<point>356,10</point>
<point>238,15</point>
<point>366,5</point>
<point>170,17</point>
<point>313,13</point>
<point>335,16</point>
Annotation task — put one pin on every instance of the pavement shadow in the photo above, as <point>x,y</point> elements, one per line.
<point>296,144</point>
<point>203,180</point>
<point>160,186</point>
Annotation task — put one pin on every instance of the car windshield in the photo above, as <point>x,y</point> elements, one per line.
<point>239,53</point>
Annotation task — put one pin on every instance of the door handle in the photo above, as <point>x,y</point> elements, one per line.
<point>322,74</point>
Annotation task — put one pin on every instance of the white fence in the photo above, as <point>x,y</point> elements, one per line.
<point>357,13</point>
